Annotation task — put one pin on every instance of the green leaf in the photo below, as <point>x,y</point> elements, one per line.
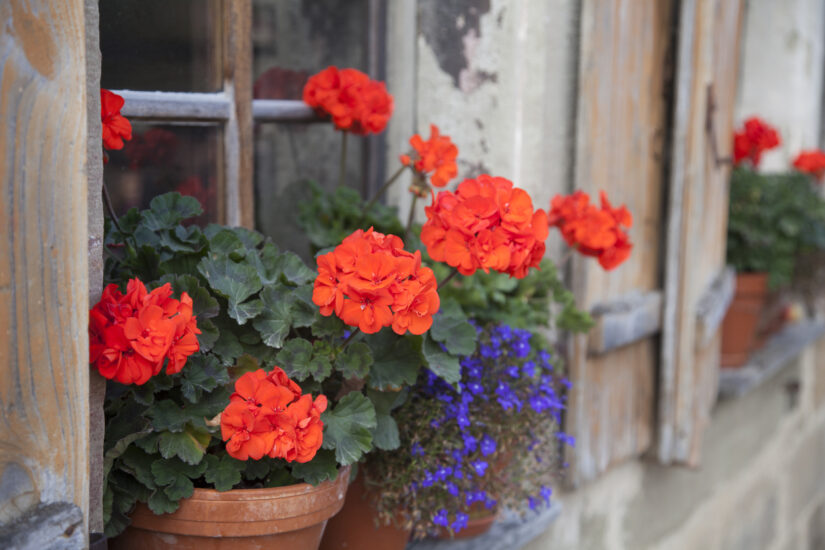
<point>188,445</point>
<point>385,435</point>
<point>234,281</point>
<point>224,472</point>
<point>167,415</point>
<point>327,327</point>
<point>396,360</point>
<point>139,464</point>
<point>248,238</point>
<point>257,469</point>
<point>202,373</point>
<point>128,420</point>
<point>209,334</point>
<point>245,311</point>
<point>348,428</point>
<point>168,210</point>
<point>227,346</point>
<point>119,448</point>
<point>440,362</point>
<point>317,470</point>
<point>176,476</point>
<point>450,327</point>
<point>295,357</point>
<point>274,325</point>
<point>294,270</point>
<point>159,503</point>
<point>355,361</point>
<point>223,242</point>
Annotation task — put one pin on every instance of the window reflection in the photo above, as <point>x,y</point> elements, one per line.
<point>186,158</point>
<point>166,45</point>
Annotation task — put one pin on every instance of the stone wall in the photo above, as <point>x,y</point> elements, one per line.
<point>761,484</point>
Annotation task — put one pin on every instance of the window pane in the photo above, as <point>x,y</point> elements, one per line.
<point>161,45</point>
<point>168,157</point>
<point>293,39</point>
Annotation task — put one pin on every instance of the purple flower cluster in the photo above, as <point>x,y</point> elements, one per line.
<point>506,373</point>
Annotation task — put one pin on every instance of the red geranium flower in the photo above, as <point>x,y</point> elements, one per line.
<point>355,103</point>
<point>436,157</point>
<point>132,335</point>
<point>115,127</point>
<point>811,162</point>
<point>596,232</point>
<point>268,415</point>
<point>755,137</point>
<point>486,224</point>
<point>370,281</point>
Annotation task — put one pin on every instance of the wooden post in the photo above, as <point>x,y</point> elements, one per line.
<point>44,278</point>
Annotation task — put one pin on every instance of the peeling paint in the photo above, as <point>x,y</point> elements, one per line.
<point>447,26</point>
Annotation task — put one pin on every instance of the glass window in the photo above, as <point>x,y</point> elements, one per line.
<point>163,157</point>
<point>166,45</point>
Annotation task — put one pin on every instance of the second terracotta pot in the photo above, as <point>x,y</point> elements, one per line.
<point>742,319</point>
<point>354,527</point>
<point>281,518</point>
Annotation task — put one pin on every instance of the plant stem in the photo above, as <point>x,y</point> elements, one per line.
<point>343,168</point>
<point>448,277</point>
<point>410,217</point>
<point>355,332</point>
<point>108,202</point>
<point>384,188</point>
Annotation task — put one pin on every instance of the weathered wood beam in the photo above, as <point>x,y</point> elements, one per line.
<point>625,321</point>
<point>175,105</point>
<point>713,305</point>
<point>283,110</point>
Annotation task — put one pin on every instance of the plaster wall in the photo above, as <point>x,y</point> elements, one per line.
<point>780,80</point>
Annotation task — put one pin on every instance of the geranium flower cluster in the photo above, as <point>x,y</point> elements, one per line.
<point>355,102</point>
<point>811,162</point>
<point>462,449</point>
<point>114,126</point>
<point>369,281</point>
<point>268,415</point>
<point>435,156</point>
<point>131,336</point>
<point>755,137</point>
<point>596,232</point>
<point>486,224</point>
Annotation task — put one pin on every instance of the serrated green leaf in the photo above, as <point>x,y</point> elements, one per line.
<point>188,445</point>
<point>440,362</point>
<point>245,311</point>
<point>119,448</point>
<point>227,346</point>
<point>396,359</point>
<point>385,434</point>
<point>234,281</point>
<point>176,476</point>
<point>355,361</point>
<point>139,464</point>
<point>202,373</point>
<point>224,472</point>
<point>293,269</point>
<point>451,327</point>
<point>274,324</point>
<point>295,358</point>
<point>167,415</point>
<point>223,242</point>
<point>208,336</point>
<point>348,428</point>
<point>317,470</point>
<point>160,503</point>
<point>249,238</point>
<point>168,210</point>
<point>204,305</point>
<point>326,327</point>
<point>257,469</point>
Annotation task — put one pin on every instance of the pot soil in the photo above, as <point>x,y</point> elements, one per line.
<point>281,518</point>
<point>742,319</point>
<point>354,528</point>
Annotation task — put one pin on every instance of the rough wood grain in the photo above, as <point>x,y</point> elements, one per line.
<point>697,221</point>
<point>94,205</point>
<point>625,321</point>
<point>44,372</point>
<point>619,139</point>
<point>238,145</point>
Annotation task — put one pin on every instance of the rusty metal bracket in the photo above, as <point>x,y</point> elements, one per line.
<point>710,129</point>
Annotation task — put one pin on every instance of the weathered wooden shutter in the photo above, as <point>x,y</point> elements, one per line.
<point>697,286</point>
<point>620,130</point>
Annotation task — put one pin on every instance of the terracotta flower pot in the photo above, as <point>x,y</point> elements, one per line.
<point>285,518</point>
<point>741,321</point>
<point>354,527</point>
